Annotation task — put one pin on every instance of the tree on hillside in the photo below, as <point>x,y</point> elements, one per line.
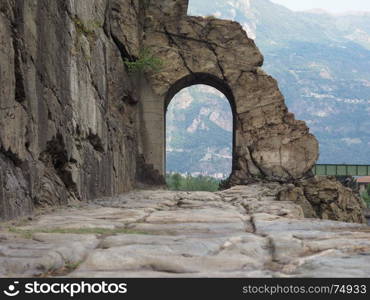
<point>176,181</point>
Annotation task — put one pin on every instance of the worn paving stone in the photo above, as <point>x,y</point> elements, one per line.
<point>93,217</point>
<point>191,229</point>
<point>331,263</point>
<point>33,258</point>
<point>154,274</point>
<point>241,232</point>
<point>201,215</point>
<point>266,223</point>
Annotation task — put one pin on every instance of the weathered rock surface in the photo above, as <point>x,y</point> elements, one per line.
<point>75,125</point>
<point>269,142</point>
<point>325,198</point>
<point>68,127</point>
<point>241,232</point>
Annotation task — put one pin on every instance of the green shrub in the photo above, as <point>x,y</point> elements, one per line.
<point>177,182</point>
<point>224,184</point>
<point>145,62</point>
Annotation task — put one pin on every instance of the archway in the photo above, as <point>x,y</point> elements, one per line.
<point>213,82</point>
<point>267,140</point>
<point>199,133</point>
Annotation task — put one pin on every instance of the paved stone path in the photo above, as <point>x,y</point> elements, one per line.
<point>241,232</point>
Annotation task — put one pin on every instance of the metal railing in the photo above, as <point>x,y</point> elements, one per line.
<point>341,170</point>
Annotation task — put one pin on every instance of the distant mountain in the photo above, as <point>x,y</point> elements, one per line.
<point>199,132</point>
<point>322,64</point>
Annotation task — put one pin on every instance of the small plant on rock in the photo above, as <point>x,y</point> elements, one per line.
<point>87,28</point>
<point>145,62</point>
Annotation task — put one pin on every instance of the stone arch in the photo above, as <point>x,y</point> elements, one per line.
<point>201,78</point>
<point>215,82</point>
<point>269,142</point>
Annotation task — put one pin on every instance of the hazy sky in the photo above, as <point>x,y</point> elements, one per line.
<point>335,6</point>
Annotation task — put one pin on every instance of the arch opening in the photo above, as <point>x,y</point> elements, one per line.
<point>200,127</point>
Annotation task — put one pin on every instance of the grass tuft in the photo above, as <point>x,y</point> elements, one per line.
<point>28,233</point>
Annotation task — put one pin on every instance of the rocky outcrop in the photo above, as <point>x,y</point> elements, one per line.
<point>268,141</point>
<point>325,198</point>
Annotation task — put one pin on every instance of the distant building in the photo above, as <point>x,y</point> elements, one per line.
<point>362,183</point>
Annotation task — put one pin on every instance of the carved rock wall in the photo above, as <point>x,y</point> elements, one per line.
<point>67,113</point>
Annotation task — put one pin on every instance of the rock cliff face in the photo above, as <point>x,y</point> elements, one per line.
<point>76,125</point>
<point>67,105</point>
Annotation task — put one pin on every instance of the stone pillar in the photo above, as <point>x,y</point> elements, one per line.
<point>152,128</point>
